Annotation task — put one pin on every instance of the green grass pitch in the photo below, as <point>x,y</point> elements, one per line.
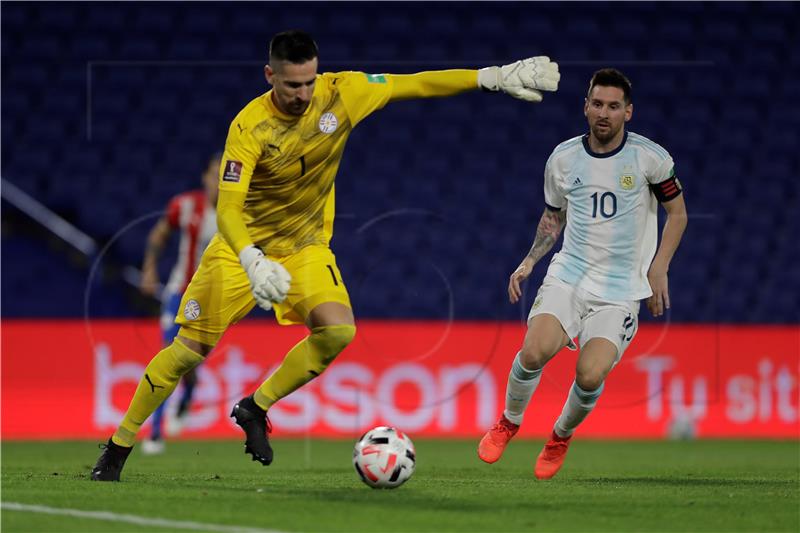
<point>612,486</point>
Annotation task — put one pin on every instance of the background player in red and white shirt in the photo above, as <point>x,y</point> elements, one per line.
<point>193,215</point>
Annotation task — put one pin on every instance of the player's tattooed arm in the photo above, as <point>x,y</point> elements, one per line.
<point>547,233</point>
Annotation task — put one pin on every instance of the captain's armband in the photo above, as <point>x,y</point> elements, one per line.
<point>667,190</point>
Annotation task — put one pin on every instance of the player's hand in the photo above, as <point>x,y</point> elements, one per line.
<point>269,281</point>
<point>149,283</point>
<point>517,277</point>
<point>524,79</point>
<point>659,301</point>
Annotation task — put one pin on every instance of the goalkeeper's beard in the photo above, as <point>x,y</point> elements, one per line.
<point>297,107</point>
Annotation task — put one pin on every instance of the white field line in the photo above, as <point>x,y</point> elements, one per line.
<point>132,519</point>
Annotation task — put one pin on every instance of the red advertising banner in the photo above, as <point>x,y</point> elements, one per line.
<point>74,379</point>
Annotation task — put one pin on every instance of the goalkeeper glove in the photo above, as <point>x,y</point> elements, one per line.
<point>524,79</point>
<point>269,281</point>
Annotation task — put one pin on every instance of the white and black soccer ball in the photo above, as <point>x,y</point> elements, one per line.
<point>384,457</point>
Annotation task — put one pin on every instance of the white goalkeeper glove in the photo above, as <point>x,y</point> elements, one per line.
<point>269,281</point>
<point>524,79</point>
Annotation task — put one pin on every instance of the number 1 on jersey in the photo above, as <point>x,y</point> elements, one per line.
<point>333,275</point>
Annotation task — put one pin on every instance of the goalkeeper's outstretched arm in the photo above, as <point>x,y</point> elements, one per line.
<point>524,79</point>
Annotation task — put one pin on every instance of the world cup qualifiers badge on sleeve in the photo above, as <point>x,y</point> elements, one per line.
<point>233,171</point>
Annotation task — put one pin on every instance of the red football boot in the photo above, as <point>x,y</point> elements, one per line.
<point>552,457</point>
<point>494,443</point>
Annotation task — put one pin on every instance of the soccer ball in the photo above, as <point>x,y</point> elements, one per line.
<point>384,458</point>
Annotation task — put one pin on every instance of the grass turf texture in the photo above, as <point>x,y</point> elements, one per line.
<point>604,486</point>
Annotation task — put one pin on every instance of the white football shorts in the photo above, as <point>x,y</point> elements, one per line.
<point>585,316</point>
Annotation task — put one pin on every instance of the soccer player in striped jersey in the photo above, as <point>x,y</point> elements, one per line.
<point>604,187</point>
<point>193,215</point>
<point>275,218</point>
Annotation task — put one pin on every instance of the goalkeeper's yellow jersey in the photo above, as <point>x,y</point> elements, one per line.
<point>287,164</point>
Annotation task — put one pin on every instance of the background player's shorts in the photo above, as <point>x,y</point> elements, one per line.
<point>170,303</point>
<point>219,293</point>
<point>585,316</point>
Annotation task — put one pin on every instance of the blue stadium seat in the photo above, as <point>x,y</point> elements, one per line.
<point>28,74</point>
<point>620,54</point>
<point>395,23</point>
<point>721,30</point>
<point>676,30</point>
<point>630,29</point>
<point>202,21</point>
<point>773,31</point>
<point>19,17</point>
<point>154,21</point>
<point>140,48</point>
<point>106,18</point>
<point>56,17</point>
<point>43,48</point>
<point>581,28</point>
<point>182,48</point>
<point>91,47</point>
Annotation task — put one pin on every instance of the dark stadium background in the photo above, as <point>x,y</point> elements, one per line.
<point>109,109</point>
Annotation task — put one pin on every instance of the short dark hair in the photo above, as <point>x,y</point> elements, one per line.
<point>611,77</point>
<point>294,46</point>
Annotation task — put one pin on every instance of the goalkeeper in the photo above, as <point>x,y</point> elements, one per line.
<point>275,218</point>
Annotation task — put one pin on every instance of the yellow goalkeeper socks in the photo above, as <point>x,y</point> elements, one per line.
<point>160,378</point>
<point>308,359</point>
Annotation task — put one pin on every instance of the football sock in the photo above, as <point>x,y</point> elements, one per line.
<point>578,405</point>
<point>308,359</point>
<point>521,385</point>
<point>160,378</point>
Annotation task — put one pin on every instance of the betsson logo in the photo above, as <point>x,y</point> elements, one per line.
<point>348,397</point>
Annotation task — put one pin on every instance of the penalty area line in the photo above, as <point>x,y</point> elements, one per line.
<point>132,519</point>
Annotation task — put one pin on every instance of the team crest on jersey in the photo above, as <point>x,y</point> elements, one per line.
<point>627,181</point>
<point>328,122</point>
<point>191,311</point>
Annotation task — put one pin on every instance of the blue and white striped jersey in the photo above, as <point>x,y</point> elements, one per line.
<point>612,227</point>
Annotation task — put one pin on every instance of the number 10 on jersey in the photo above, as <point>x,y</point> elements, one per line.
<point>607,203</point>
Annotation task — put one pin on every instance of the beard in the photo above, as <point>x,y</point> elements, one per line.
<point>604,134</point>
<point>297,108</point>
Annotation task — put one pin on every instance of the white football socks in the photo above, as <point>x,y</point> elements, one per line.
<point>521,384</point>
<point>577,407</point>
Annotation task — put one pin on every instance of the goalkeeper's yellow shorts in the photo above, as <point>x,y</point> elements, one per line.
<point>219,293</point>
